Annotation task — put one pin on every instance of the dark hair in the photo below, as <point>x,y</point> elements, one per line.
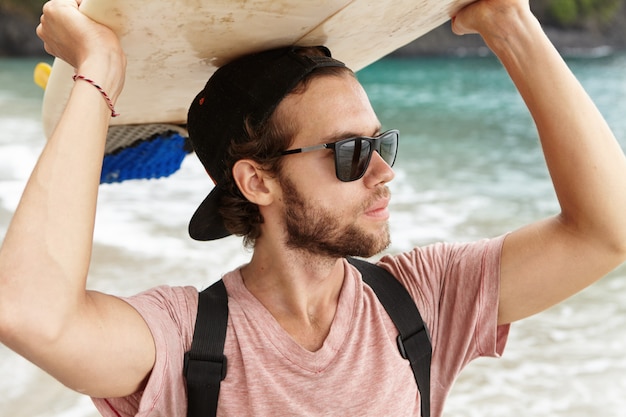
<point>266,142</point>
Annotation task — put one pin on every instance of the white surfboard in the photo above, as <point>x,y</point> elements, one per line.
<point>173,46</point>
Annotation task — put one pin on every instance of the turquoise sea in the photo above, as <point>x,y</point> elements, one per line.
<point>469,167</point>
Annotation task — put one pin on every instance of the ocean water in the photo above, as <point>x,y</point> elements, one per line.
<point>469,167</point>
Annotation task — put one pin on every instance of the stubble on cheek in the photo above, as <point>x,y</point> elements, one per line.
<point>319,231</point>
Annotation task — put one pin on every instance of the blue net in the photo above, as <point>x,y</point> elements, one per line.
<point>159,156</point>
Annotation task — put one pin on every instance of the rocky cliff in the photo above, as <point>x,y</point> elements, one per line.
<point>18,38</point>
<point>569,42</point>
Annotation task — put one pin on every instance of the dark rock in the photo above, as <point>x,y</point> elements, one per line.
<point>17,35</point>
<point>571,42</point>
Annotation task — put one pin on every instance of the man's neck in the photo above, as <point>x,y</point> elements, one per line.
<point>300,290</point>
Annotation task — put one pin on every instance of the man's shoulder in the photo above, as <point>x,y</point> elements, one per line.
<point>439,253</point>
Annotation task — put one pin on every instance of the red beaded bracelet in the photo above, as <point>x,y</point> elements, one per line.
<point>104,94</point>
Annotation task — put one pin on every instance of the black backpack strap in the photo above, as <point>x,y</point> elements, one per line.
<point>205,363</point>
<point>413,340</point>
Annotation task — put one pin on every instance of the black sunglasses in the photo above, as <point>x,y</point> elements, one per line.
<point>353,155</point>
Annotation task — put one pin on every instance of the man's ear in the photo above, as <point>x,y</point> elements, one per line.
<point>255,183</point>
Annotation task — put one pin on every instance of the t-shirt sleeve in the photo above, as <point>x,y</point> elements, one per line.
<point>456,288</point>
<point>170,313</point>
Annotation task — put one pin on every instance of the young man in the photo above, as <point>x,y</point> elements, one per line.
<point>305,335</point>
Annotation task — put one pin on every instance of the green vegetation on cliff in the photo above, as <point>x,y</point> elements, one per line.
<point>581,13</point>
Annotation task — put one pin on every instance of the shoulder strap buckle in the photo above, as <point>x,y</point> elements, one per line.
<point>210,370</point>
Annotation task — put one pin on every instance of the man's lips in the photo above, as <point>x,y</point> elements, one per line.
<point>379,208</point>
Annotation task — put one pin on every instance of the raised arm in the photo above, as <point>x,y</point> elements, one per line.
<point>91,342</point>
<point>548,261</point>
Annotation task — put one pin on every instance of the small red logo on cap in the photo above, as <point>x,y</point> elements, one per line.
<point>201,101</point>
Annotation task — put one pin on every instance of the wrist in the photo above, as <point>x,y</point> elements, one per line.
<point>511,31</point>
<point>107,70</point>
<point>102,91</point>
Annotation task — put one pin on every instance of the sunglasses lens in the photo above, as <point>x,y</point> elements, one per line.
<point>352,158</point>
<point>389,147</point>
<point>353,155</point>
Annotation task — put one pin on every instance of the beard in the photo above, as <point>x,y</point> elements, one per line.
<point>320,232</point>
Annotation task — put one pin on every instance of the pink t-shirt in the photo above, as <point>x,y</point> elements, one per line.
<point>358,370</point>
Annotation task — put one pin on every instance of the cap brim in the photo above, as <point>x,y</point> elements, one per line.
<point>207,223</point>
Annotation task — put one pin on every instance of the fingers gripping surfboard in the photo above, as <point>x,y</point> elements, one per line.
<point>173,46</point>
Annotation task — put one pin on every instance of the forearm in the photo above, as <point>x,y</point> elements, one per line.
<point>92,342</point>
<point>545,262</point>
<point>585,161</point>
<point>46,313</point>
<point>47,248</point>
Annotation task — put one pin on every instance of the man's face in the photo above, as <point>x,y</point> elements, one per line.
<point>323,215</point>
